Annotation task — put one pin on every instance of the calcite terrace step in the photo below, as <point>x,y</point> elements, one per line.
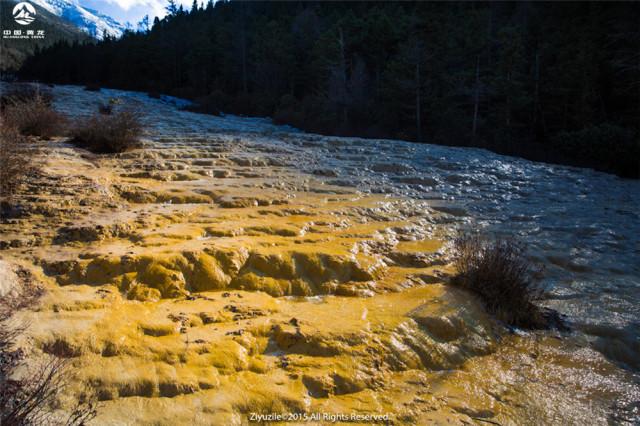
<point>232,266</point>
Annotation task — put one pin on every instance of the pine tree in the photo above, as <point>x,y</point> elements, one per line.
<point>171,8</point>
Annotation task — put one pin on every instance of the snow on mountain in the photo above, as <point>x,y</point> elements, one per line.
<point>88,20</point>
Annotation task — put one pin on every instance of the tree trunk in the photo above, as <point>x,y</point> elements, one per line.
<point>418,102</point>
<point>476,100</point>
<point>536,93</point>
<point>244,59</point>
<point>343,77</point>
<point>510,68</point>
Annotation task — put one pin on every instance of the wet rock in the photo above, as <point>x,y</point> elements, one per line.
<point>17,243</point>
<point>228,356</point>
<point>284,362</point>
<point>209,318</point>
<point>171,283</point>
<point>318,386</point>
<point>206,274</point>
<point>171,389</point>
<point>303,340</point>
<point>452,210</point>
<point>93,232</point>
<point>60,267</point>
<point>284,231</point>
<point>139,196</point>
<point>418,180</point>
<point>203,162</point>
<point>142,293</point>
<point>354,290</point>
<point>394,168</point>
<point>346,385</point>
<point>325,172</point>
<point>229,202</point>
<point>415,260</point>
<point>110,349</point>
<point>442,336</point>
<point>299,273</point>
<point>231,308</point>
<point>430,279</point>
<point>136,387</point>
<point>286,336</point>
<point>242,312</point>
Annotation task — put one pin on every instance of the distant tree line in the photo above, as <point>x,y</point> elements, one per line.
<point>556,82</point>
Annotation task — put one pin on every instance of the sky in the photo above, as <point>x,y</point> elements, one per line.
<point>132,10</point>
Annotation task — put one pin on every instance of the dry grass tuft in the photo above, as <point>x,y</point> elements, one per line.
<point>15,163</point>
<point>24,92</point>
<point>105,108</point>
<point>500,274</point>
<point>109,133</point>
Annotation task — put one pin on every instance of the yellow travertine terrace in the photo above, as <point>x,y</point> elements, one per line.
<point>204,277</point>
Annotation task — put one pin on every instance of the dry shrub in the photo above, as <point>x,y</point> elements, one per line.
<point>27,399</point>
<point>105,108</point>
<point>31,113</point>
<point>500,274</point>
<point>15,163</point>
<point>111,133</point>
<point>21,92</point>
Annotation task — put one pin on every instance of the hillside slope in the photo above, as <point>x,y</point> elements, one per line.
<point>14,51</point>
<point>88,20</point>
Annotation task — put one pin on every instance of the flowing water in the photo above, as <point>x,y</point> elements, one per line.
<point>387,204</point>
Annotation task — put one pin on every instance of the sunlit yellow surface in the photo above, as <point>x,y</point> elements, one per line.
<point>186,299</point>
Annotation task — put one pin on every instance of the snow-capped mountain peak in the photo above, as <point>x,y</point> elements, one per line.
<point>88,20</point>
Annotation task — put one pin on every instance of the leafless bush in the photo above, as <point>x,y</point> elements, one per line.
<point>105,109</point>
<point>21,92</point>
<point>33,116</point>
<point>27,399</point>
<point>15,163</point>
<point>109,133</point>
<point>499,272</point>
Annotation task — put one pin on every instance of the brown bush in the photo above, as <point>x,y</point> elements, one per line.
<point>105,109</point>
<point>111,133</point>
<point>21,92</point>
<point>15,163</point>
<point>33,117</point>
<point>500,274</point>
<point>26,399</point>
